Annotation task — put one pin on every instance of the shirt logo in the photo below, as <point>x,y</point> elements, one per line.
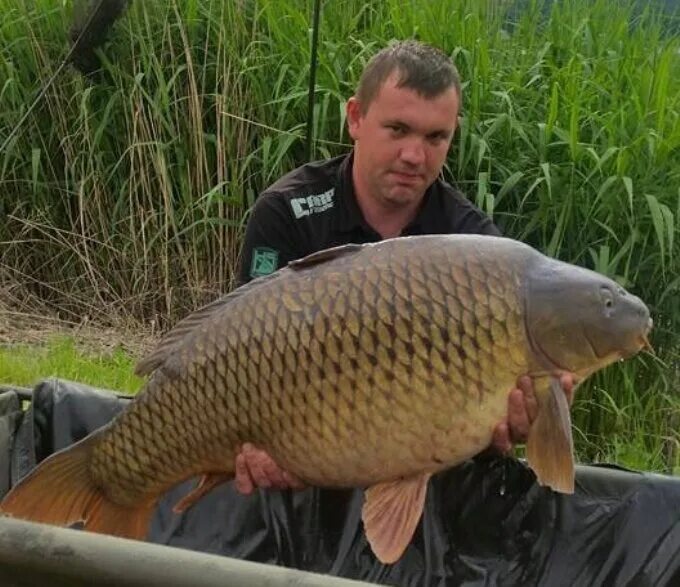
<point>312,204</point>
<point>265,261</point>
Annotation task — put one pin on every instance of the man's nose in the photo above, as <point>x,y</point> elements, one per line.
<point>413,152</point>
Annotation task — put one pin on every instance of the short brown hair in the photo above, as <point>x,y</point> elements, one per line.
<point>420,67</point>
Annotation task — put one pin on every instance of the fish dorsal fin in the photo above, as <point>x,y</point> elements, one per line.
<point>170,342</point>
<point>325,255</point>
<point>175,336</point>
<point>391,514</point>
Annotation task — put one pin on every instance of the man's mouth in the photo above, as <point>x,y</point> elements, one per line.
<point>406,178</point>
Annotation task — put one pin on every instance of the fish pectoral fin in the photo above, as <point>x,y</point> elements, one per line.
<point>550,448</point>
<point>391,513</point>
<point>206,484</point>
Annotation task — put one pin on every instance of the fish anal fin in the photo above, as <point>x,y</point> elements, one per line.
<point>60,491</point>
<point>391,513</point>
<point>206,484</point>
<point>550,448</point>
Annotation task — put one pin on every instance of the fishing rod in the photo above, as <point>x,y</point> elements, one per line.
<point>312,78</point>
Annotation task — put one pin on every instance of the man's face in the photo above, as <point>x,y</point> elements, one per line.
<point>401,143</point>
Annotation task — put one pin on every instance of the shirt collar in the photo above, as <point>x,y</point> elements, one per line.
<point>350,217</point>
<point>430,212</point>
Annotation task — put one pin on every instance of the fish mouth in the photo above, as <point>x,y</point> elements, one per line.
<point>641,342</point>
<point>645,345</point>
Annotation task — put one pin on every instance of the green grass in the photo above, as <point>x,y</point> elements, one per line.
<point>124,197</point>
<point>24,365</point>
<point>631,424</point>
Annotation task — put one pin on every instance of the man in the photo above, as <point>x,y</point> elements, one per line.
<point>402,120</point>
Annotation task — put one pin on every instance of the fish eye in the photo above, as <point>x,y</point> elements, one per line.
<point>607,297</point>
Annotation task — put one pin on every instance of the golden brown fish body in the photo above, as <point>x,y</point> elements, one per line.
<point>364,365</point>
<point>390,360</point>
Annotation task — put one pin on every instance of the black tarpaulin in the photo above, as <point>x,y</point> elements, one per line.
<point>485,523</point>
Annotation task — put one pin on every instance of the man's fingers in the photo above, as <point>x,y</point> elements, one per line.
<point>501,439</point>
<point>279,478</point>
<point>272,471</point>
<point>518,418</point>
<point>530,402</point>
<point>243,481</point>
<point>523,407</point>
<point>567,383</point>
<point>256,462</point>
<point>292,481</point>
<point>256,468</point>
<point>250,456</point>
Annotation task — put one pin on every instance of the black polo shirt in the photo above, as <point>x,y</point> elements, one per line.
<point>314,207</point>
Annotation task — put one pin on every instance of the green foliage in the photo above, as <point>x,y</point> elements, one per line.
<point>125,195</point>
<point>24,365</point>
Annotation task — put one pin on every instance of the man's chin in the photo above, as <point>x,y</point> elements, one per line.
<point>402,196</point>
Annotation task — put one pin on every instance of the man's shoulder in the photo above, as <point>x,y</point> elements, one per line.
<point>459,213</point>
<point>308,178</point>
<point>305,191</point>
<point>451,196</point>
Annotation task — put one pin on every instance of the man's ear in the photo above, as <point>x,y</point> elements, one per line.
<point>353,112</point>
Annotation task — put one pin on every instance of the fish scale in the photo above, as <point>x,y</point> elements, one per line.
<point>368,366</point>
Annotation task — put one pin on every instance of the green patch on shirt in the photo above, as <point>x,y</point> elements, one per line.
<point>265,261</point>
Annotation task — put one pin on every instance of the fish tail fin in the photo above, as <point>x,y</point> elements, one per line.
<point>550,448</point>
<point>108,517</point>
<point>61,491</point>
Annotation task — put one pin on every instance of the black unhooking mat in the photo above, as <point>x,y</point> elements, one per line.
<point>485,523</point>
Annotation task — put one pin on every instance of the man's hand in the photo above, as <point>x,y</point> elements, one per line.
<point>255,468</point>
<point>522,411</point>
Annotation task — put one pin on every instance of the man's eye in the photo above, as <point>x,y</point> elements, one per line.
<point>397,130</point>
<point>436,139</point>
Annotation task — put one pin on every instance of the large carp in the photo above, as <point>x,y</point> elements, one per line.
<point>368,366</point>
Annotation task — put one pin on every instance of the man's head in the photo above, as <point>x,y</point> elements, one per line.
<point>419,67</point>
<point>402,120</point>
